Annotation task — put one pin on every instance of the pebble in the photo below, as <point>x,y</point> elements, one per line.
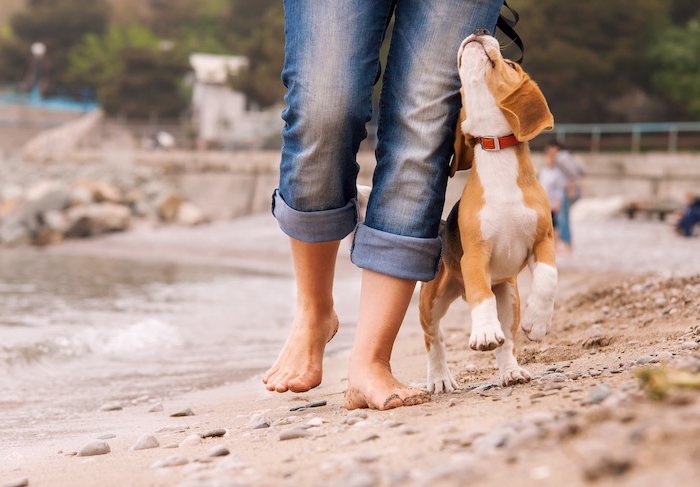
<point>353,421</point>
<point>23,482</point>
<point>358,478</point>
<point>108,436</point>
<point>94,448</point>
<point>664,356</point>
<point>407,430</point>
<point>689,345</point>
<point>156,408</point>
<point>145,442</point>
<point>258,421</point>
<point>606,465</point>
<point>598,394</point>
<point>294,433</point>
<point>366,457</point>
<point>173,428</point>
<point>171,461</point>
<point>111,406</point>
<point>554,377</point>
<point>594,373</point>
<point>191,440</point>
<point>218,451</point>
<point>644,359</point>
<point>215,433</point>
<point>315,422</point>
<point>171,445</point>
<point>357,413</point>
<point>184,412</point>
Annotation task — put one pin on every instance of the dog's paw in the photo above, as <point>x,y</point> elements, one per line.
<point>440,380</point>
<point>536,322</point>
<point>515,375</point>
<point>486,337</point>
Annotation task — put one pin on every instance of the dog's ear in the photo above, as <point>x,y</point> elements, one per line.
<point>521,101</point>
<point>463,152</point>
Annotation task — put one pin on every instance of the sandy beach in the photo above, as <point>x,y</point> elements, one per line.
<point>628,300</point>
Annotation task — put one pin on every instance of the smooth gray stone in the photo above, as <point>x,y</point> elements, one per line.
<point>171,461</point>
<point>24,482</point>
<point>218,451</point>
<point>598,394</point>
<point>145,442</point>
<point>215,433</point>
<point>94,448</point>
<point>294,433</point>
<point>184,412</point>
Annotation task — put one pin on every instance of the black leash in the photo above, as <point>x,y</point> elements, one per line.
<point>507,26</point>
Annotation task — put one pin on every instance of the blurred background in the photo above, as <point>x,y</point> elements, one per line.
<point>158,122</point>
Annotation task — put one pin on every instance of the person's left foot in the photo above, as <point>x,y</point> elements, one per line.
<point>373,386</point>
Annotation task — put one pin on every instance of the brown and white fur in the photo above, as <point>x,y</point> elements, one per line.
<point>501,224</point>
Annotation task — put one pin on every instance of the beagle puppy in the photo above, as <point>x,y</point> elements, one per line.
<point>502,221</point>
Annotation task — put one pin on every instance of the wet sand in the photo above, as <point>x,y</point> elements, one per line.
<point>583,418</point>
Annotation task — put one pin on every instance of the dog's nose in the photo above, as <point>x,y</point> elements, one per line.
<point>481,32</point>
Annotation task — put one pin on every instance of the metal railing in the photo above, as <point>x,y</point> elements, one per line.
<point>630,136</point>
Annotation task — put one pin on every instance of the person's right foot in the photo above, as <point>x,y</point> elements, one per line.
<point>299,366</point>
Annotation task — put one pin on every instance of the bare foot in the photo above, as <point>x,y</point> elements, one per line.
<point>373,386</point>
<point>299,366</point>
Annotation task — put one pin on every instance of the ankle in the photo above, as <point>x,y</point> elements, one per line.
<point>315,308</point>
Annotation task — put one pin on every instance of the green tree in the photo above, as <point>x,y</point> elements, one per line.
<point>677,54</point>
<point>587,55</point>
<point>257,32</point>
<point>60,25</point>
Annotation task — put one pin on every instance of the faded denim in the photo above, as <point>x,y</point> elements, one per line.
<point>331,61</point>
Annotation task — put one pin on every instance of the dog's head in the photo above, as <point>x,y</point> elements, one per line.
<point>497,95</point>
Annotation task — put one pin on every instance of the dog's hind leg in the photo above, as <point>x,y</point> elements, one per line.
<point>508,302</point>
<point>540,303</point>
<point>435,297</point>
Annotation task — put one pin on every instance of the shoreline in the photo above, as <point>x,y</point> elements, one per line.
<point>583,418</point>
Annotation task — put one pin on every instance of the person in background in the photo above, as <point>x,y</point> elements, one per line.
<point>553,181</point>
<point>690,217</point>
<point>572,169</point>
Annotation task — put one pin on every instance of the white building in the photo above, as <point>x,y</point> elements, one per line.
<point>219,113</point>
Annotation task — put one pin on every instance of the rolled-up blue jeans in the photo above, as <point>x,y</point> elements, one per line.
<point>331,62</point>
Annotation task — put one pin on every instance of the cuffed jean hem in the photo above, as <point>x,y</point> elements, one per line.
<point>399,256</point>
<point>314,226</point>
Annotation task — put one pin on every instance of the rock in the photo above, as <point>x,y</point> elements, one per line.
<point>294,433</point>
<point>644,359</point>
<point>80,196</point>
<point>111,406</point>
<point>97,218</point>
<point>94,448</point>
<point>48,195</point>
<point>598,394</point>
<point>355,417</point>
<point>184,412</point>
<point>55,220</point>
<point>191,440</point>
<point>258,421</point>
<point>171,461</point>
<point>689,345</point>
<point>218,451</point>
<point>606,464</point>
<point>407,430</point>
<point>145,442</point>
<point>215,433</point>
<point>107,436</point>
<point>171,445</point>
<point>554,377</point>
<point>156,408</point>
<point>366,457</point>
<point>173,428</point>
<point>314,422</point>
<point>664,356</point>
<point>358,478</point>
<point>189,214</point>
<point>168,207</point>
<point>23,482</point>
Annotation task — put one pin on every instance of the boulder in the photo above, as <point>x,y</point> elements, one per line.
<point>189,214</point>
<point>97,218</point>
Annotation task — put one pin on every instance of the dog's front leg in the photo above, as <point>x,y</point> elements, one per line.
<point>540,304</point>
<point>486,329</point>
<point>435,299</point>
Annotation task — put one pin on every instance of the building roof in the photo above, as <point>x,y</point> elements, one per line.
<point>214,68</point>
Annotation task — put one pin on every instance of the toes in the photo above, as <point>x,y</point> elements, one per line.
<point>304,382</point>
<point>518,376</point>
<point>486,340</point>
<point>416,399</point>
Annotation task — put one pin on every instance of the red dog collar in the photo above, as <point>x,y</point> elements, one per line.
<point>496,143</point>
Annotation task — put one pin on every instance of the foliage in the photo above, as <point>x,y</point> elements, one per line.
<point>257,31</point>
<point>584,65</point>
<point>60,25</point>
<point>147,85</point>
<point>677,54</point>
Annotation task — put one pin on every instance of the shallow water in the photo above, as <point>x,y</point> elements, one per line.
<point>76,332</point>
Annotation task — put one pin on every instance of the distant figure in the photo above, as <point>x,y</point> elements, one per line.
<point>690,217</point>
<point>572,169</point>
<point>553,181</point>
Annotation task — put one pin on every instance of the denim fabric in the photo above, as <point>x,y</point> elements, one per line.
<point>331,61</point>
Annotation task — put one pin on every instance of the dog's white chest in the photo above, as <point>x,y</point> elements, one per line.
<point>506,222</point>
